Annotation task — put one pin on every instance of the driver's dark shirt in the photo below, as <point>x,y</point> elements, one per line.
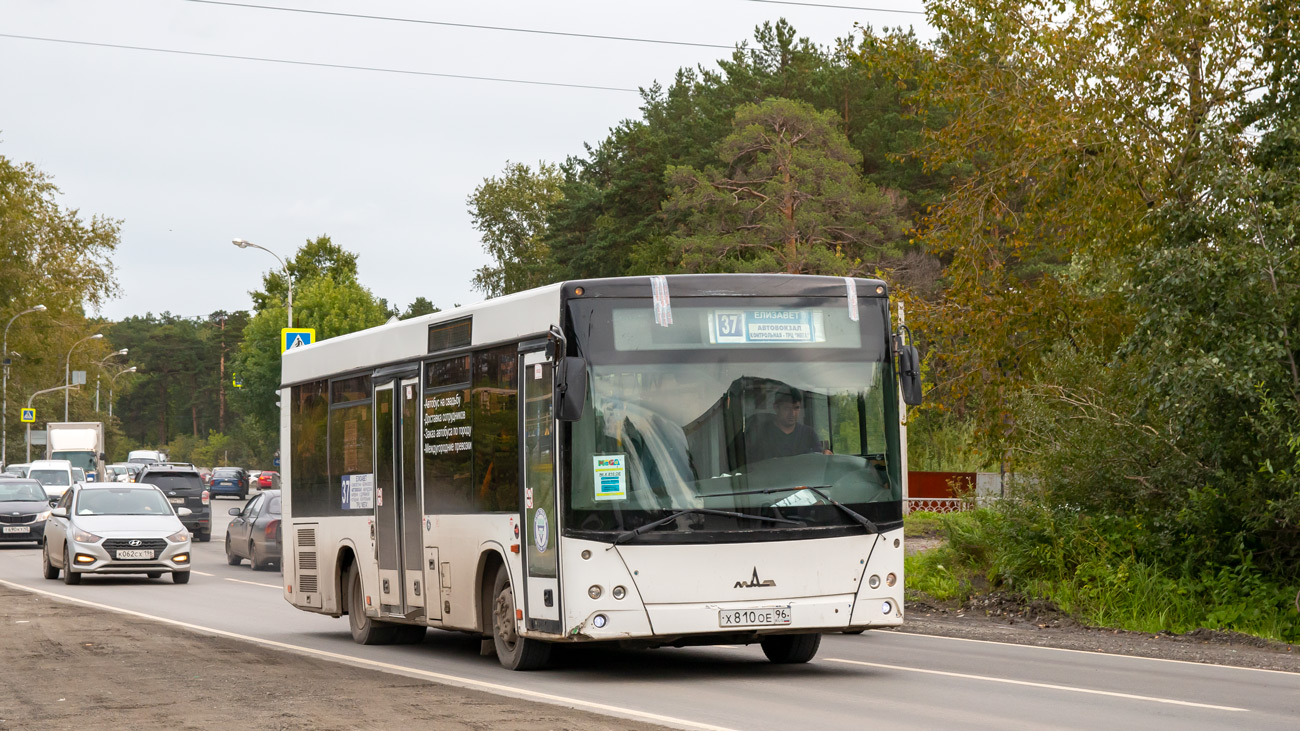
<point>767,441</point>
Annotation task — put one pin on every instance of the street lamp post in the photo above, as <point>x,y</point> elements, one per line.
<point>123,351</point>
<point>67,370</point>
<point>288,279</point>
<point>111,380</point>
<point>4,354</point>
<point>65,389</point>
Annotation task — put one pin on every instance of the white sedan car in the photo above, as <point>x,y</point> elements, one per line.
<point>115,528</point>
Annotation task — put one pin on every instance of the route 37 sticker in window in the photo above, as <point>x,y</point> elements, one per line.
<point>610,479</point>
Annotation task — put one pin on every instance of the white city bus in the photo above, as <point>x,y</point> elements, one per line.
<point>657,461</point>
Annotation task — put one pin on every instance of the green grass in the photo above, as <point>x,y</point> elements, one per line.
<point>1089,569</point>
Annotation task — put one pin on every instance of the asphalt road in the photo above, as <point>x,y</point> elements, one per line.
<point>896,680</point>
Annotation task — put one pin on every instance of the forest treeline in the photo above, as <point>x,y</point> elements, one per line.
<point>1088,209</point>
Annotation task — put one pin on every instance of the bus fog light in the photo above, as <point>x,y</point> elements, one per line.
<point>874,582</point>
<point>619,592</point>
<point>599,621</point>
<point>890,580</point>
<point>886,607</point>
<point>595,591</point>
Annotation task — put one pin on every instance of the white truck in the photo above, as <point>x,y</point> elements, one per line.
<point>79,442</point>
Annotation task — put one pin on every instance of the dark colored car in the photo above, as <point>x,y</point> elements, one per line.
<point>24,508</point>
<point>184,488</point>
<point>268,480</point>
<point>254,534</point>
<point>229,481</point>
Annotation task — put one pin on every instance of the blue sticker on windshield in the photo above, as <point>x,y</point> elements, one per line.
<point>610,478</point>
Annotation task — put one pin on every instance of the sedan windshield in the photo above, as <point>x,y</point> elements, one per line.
<point>732,435</point>
<point>123,501</point>
<point>54,478</point>
<point>16,491</point>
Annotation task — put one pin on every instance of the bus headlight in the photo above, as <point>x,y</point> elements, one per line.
<point>619,592</point>
<point>890,580</point>
<point>595,591</point>
<point>874,582</point>
<point>886,607</point>
<point>599,621</point>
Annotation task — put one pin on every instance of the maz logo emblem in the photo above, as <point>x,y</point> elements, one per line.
<point>134,542</point>
<point>753,582</point>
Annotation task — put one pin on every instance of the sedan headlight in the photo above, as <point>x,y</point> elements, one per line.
<point>179,536</point>
<point>81,536</point>
<point>42,516</point>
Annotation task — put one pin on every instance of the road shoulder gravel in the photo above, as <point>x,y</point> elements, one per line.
<point>75,667</point>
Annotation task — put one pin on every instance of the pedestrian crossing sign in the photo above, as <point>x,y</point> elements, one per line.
<point>29,416</point>
<point>293,337</point>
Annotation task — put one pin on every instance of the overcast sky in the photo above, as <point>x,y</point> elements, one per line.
<point>190,152</point>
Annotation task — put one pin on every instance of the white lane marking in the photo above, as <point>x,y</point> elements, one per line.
<point>456,680</point>
<point>255,583</point>
<point>202,573</point>
<point>1050,686</point>
<point>899,633</point>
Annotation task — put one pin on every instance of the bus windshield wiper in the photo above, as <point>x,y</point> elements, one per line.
<point>857,517</point>
<point>629,535</point>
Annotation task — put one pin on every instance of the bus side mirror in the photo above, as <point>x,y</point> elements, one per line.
<point>909,374</point>
<point>570,388</point>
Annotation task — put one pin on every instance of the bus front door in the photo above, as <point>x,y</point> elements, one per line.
<point>397,498</point>
<point>540,508</point>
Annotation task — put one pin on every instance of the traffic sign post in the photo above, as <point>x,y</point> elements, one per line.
<point>29,416</point>
<point>293,337</point>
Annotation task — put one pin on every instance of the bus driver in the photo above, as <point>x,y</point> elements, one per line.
<point>784,435</point>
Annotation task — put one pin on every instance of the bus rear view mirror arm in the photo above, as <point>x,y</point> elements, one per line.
<point>571,388</point>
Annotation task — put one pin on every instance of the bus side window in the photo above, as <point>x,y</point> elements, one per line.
<point>494,401</point>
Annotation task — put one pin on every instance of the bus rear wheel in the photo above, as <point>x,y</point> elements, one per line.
<point>514,652</point>
<point>791,649</point>
<point>365,630</point>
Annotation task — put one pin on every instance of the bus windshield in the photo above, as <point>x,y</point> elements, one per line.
<point>712,415</point>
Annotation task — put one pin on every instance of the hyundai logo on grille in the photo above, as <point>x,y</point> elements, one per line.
<point>134,542</point>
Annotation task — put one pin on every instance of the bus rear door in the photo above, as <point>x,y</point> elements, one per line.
<point>398,512</point>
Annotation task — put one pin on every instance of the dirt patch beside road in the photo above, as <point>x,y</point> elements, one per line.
<point>73,667</point>
<point>1002,617</point>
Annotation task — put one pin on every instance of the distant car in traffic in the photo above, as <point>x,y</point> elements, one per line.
<point>111,528</point>
<point>18,469</point>
<point>79,475</point>
<point>254,533</point>
<point>183,488</point>
<point>268,480</point>
<point>229,481</point>
<point>55,475</point>
<point>123,471</point>
<point>24,508</point>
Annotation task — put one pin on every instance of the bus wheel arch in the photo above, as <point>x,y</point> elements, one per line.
<point>346,558</point>
<point>490,561</point>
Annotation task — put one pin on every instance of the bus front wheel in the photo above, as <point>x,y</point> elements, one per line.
<point>365,630</point>
<point>790,649</point>
<point>514,652</point>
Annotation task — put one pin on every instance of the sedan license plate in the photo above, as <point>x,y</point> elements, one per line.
<point>176,500</point>
<point>18,529</point>
<point>757,617</point>
<point>134,554</point>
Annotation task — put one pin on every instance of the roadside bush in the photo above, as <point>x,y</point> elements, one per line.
<point>1094,569</point>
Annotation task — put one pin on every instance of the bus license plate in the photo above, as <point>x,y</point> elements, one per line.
<point>758,617</point>
<point>18,529</point>
<point>134,554</point>
<point>176,500</point>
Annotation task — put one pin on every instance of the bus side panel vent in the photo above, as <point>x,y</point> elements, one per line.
<point>307,537</point>
<point>307,561</point>
<point>307,584</point>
